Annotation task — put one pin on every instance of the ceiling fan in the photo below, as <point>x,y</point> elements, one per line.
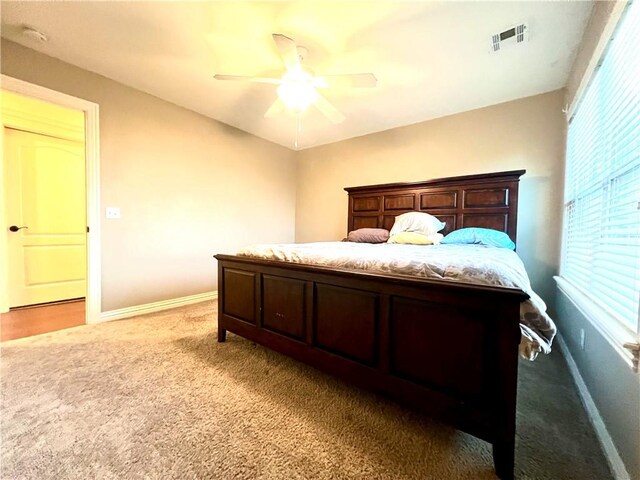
<point>298,86</point>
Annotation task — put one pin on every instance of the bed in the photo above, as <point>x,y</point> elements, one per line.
<point>449,348</point>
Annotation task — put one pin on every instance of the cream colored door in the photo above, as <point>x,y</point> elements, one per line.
<point>45,194</point>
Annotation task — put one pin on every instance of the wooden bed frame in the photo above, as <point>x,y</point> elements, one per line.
<point>450,349</point>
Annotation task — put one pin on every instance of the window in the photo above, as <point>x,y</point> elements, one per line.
<point>601,244</point>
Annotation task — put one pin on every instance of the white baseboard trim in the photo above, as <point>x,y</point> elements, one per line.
<point>618,470</point>
<point>128,312</point>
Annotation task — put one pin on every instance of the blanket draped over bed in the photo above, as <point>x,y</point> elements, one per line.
<point>475,264</point>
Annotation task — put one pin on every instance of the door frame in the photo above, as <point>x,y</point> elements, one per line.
<point>92,158</point>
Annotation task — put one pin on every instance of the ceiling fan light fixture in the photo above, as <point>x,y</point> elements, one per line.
<point>297,91</point>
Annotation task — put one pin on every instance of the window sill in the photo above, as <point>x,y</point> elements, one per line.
<point>623,340</point>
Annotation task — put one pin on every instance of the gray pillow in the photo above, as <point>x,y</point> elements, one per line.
<point>368,235</point>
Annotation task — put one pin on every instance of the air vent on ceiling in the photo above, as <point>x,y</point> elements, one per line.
<point>511,36</point>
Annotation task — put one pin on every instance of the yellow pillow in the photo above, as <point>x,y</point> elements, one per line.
<point>415,238</point>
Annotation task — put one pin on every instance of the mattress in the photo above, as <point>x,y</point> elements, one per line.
<point>475,264</point>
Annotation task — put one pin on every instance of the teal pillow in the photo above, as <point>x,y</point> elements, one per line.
<point>480,236</point>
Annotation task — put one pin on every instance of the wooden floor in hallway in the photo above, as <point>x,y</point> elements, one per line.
<point>33,320</point>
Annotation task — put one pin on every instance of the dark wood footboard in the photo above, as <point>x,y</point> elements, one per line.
<point>449,349</point>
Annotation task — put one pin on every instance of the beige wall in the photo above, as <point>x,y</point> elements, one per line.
<point>604,17</point>
<point>526,133</point>
<point>188,186</point>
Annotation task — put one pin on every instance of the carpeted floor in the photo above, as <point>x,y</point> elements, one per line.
<point>156,397</point>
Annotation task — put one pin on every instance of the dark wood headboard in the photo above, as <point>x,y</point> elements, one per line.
<point>488,200</point>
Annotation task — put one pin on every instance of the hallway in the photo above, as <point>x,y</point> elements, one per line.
<point>33,320</point>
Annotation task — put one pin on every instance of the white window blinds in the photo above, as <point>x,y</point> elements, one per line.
<point>601,245</point>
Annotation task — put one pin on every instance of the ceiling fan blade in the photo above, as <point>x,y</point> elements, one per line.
<point>276,108</point>
<point>328,110</point>
<point>355,80</point>
<point>288,51</point>
<point>275,81</point>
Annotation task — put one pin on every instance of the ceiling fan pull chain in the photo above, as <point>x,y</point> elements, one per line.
<point>298,128</point>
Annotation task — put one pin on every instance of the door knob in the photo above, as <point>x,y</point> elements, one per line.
<point>15,228</point>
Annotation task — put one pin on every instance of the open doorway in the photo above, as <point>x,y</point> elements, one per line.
<point>50,279</point>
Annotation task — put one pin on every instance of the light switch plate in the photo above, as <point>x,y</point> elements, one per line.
<point>113,212</point>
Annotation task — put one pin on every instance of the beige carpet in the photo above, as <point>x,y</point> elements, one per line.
<point>157,397</point>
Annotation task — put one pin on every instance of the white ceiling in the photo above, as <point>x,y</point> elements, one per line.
<point>431,58</point>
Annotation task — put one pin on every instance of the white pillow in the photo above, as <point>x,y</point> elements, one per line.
<point>416,222</point>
